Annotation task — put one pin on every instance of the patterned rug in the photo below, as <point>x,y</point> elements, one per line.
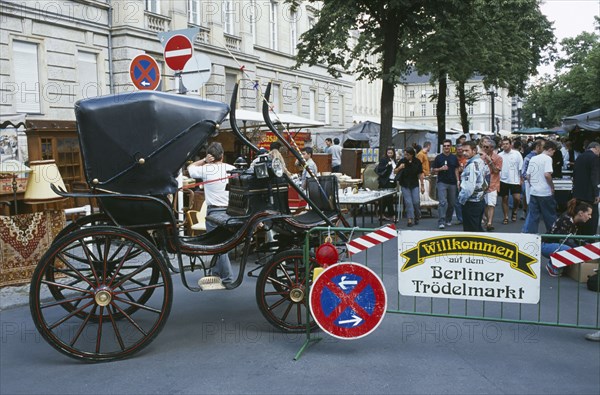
<point>24,239</point>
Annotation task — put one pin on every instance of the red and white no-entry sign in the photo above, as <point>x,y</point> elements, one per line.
<point>178,50</point>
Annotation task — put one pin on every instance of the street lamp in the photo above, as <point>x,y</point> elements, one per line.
<point>492,93</point>
<point>533,117</point>
<point>519,109</point>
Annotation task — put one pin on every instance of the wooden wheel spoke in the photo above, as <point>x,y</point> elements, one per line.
<point>278,303</point>
<point>276,281</point>
<point>75,300</point>
<point>66,286</point>
<point>118,269</point>
<point>126,291</point>
<point>287,311</point>
<point>71,314</point>
<point>138,305</point>
<point>82,326</point>
<point>133,273</point>
<point>91,258</point>
<point>116,329</point>
<point>99,331</point>
<point>75,270</point>
<point>276,293</point>
<point>285,273</point>
<point>128,318</point>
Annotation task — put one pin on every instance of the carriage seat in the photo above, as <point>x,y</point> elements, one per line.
<point>325,198</point>
<point>221,218</point>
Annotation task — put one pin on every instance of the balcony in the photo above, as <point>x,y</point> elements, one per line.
<point>233,43</point>
<point>203,36</point>
<point>157,23</point>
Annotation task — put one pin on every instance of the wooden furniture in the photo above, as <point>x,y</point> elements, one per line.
<point>57,140</point>
<point>323,162</point>
<point>352,162</point>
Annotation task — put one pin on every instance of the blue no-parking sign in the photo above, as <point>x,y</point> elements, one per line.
<point>144,72</point>
<point>348,300</point>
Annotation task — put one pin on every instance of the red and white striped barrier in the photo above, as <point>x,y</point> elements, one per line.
<point>371,239</point>
<point>585,253</point>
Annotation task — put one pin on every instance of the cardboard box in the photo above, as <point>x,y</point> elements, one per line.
<point>581,271</point>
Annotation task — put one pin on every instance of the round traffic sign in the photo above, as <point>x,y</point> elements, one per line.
<point>196,72</point>
<point>348,300</point>
<point>178,50</point>
<point>144,72</point>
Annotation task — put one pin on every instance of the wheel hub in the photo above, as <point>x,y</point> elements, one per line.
<point>103,297</point>
<point>297,295</point>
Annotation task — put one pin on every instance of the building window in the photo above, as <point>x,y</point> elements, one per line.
<point>228,17</point>
<point>411,94</point>
<point>27,79</point>
<point>87,71</point>
<point>434,109</point>
<point>312,104</point>
<point>296,101</point>
<point>342,110</point>
<point>273,25</point>
<point>423,110</point>
<point>411,111</point>
<point>153,6</point>
<point>328,109</point>
<point>276,98</point>
<point>311,21</point>
<point>435,91</point>
<point>293,32</point>
<point>230,81</point>
<point>194,12</point>
<point>252,11</point>
<point>447,108</point>
<point>470,110</point>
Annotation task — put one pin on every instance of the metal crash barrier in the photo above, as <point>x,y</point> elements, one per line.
<point>563,301</point>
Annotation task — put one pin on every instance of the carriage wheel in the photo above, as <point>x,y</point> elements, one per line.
<point>105,275</point>
<point>281,291</point>
<point>73,251</point>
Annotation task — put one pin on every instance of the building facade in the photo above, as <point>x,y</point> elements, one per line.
<point>55,53</point>
<point>413,104</point>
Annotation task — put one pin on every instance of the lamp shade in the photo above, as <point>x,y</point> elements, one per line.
<point>13,167</point>
<point>43,174</point>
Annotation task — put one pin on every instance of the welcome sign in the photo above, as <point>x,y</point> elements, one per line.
<point>504,267</point>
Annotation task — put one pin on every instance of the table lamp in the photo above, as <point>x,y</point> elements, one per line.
<point>43,174</point>
<point>13,168</point>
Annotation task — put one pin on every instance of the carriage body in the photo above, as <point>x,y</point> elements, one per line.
<point>105,270</point>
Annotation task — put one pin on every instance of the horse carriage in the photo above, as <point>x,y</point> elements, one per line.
<point>103,290</point>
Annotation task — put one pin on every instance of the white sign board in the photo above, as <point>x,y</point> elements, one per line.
<point>499,267</point>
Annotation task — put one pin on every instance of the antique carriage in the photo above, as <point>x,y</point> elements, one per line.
<point>103,290</point>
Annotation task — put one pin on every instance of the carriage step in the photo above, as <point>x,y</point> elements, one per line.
<point>211,283</point>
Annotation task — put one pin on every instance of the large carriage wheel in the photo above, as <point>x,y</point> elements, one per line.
<point>281,291</point>
<point>115,294</point>
<point>97,219</point>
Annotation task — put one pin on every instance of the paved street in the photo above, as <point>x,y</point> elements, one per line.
<point>218,342</point>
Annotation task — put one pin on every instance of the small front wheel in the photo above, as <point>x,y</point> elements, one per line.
<point>100,293</point>
<point>281,291</point>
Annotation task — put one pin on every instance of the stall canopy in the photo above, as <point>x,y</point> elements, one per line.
<point>587,121</point>
<point>256,118</point>
<point>403,134</point>
<point>534,131</point>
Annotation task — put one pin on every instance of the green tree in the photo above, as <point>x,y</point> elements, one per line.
<point>574,89</point>
<point>503,41</point>
<point>383,30</point>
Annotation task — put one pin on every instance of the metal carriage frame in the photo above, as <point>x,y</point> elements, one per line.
<point>103,290</point>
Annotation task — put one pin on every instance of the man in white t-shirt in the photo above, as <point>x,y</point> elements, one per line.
<point>213,172</point>
<point>541,200</point>
<point>510,178</point>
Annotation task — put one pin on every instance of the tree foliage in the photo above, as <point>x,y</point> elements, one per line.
<point>574,89</point>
